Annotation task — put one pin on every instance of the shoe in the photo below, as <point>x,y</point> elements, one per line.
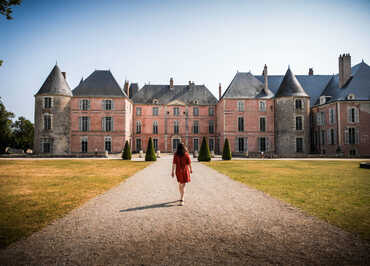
<point>181,203</point>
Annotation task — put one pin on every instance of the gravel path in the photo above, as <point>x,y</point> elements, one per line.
<point>223,222</point>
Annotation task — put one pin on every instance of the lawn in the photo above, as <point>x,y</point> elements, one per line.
<point>336,191</point>
<point>33,193</point>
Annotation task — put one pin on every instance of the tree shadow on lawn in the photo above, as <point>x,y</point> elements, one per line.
<point>154,206</point>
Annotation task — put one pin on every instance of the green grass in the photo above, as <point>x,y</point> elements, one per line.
<point>336,191</point>
<point>33,193</point>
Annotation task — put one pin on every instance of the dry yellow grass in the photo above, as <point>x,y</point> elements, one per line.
<point>33,193</point>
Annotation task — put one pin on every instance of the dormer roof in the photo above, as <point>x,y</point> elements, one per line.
<point>55,84</point>
<point>290,86</point>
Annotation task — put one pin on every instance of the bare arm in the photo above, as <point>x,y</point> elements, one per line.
<point>191,170</point>
<point>173,170</point>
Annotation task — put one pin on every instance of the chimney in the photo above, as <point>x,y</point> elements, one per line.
<point>219,91</point>
<point>125,88</point>
<point>64,74</point>
<point>310,71</point>
<point>189,82</point>
<point>171,83</point>
<point>265,76</point>
<point>345,71</point>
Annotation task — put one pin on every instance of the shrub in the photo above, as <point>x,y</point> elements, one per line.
<point>226,154</point>
<point>150,153</point>
<point>204,154</point>
<point>126,154</point>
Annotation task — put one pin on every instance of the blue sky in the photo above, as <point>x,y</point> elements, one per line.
<point>151,41</point>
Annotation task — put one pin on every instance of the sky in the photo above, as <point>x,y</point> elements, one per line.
<point>150,41</point>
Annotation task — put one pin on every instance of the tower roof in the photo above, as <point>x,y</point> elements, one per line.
<point>245,85</point>
<point>99,83</point>
<point>55,84</point>
<point>290,86</point>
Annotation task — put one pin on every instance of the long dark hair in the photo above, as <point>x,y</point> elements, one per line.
<point>181,149</point>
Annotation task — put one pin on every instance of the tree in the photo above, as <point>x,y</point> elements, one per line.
<point>5,127</point>
<point>150,153</point>
<point>6,9</point>
<point>126,154</point>
<point>23,131</point>
<point>226,154</point>
<point>204,153</point>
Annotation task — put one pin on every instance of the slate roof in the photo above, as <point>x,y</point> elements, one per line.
<point>245,85</point>
<point>290,86</point>
<point>55,84</point>
<point>313,85</point>
<point>358,84</point>
<point>100,83</point>
<point>185,93</point>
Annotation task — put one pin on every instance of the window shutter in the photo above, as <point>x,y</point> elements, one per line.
<point>357,136</point>
<point>112,104</point>
<point>81,104</point>
<point>236,144</point>
<point>103,123</point>
<point>80,123</point>
<point>88,104</point>
<point>329,136</point>
<point>349,115</point>
<point>346,136</point>
<point>259,144</point>
<point>334,117</point>
<point>51,122</point>
<point>103,105</point>
<point>88,124</point>
<point>112,124</point>
<point>302,104</point>
<point>357,115</point>
<point>245,144</point>
<point>51,102</point>
<point>335,137</point>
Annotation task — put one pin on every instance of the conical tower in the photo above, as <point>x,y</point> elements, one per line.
<point>52,115</point>
<point>292,107</point>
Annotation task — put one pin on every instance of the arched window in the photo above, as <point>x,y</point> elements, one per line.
<point>138,127</point>
<point>155,127</point>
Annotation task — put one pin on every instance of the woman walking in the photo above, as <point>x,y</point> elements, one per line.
<point>182,162</point>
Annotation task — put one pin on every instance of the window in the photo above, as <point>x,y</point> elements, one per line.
<point>240,106</point>
<point>262,124</point>
<point>175,127</point>
<point>211,111</point>
<point>211,127</point>
<point>107,124</point>
<point>241,144</point>
<point>46,145</point>
<point>138,111</point>
<point>331,137</point>
<point>352,135</point>
<point>155,144</point>
<point>108,144</point>
<point>331,116</point>
<point>351,96</point>
<point>322,137</point>
<point>322,99</point>
<point>47,102</point>
<point>47,122</point>
<point>195,111</point>
<point>298,104</point>
<point>156,101</point>
<point>175,143</point>
<point>84,144</point>
<point>298,123</point>
<point>155,127</point>
<point>155,111</point>
<point>211,144</point>
<point>196,144</point>
<point>138,145</point>
<point>320,118</point>
<point>84,123</point>
<point>262,144</point>
<point>196,127</point>
<point>138,127</point>
<point>353,115</point>
<point>262,106</point>
<point>299,144</point>
<point>240,124</point>
<point>107,104</point>
<point>176,111</point>
<point>84,104</point>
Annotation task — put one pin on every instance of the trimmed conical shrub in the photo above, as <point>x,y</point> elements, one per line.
<point>204,153</point>
<point>226,154</point>
<point>150,153</point>
<point>126,154</point>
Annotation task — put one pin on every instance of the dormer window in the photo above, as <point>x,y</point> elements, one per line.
<point>155,101</point>
<point>351,96</point>
<point>48,102</point>
<point>322,99</point>
<point>196,102</point>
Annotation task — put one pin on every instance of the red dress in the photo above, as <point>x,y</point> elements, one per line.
<point>182,167</point>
